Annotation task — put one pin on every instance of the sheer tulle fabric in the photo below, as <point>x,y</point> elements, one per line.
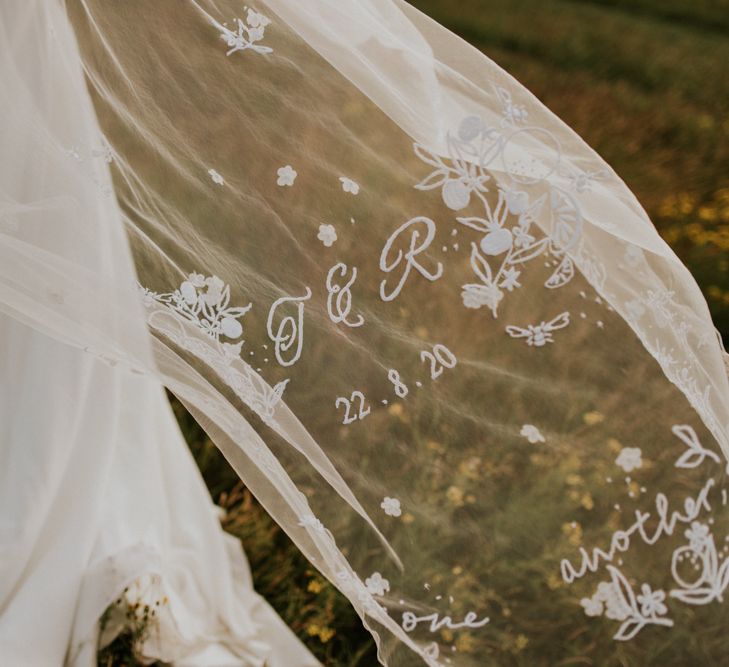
<point>432,331</point>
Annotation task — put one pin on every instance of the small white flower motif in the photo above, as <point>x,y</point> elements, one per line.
<point>615,608</point>
<point>391,506</point>
<point>629,459</point>
<point>245,34</point>
<point>510,279</point>
<point>698,536</point>
<point>592,606</point>
<point>327,235</point>
<point>286,175</point>
<point>651,602</point>
<point>377,584</point>
<point>531,433</point>
<point>217,178</point>
<point>522,238</point>
<point>348,185</point>
<point>475,296</point>
<point>256,19</point>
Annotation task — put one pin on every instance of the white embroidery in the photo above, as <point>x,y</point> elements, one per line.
<point>388,264</point>
<point>391,506</point>
<point>441,357</point>
<point>245,34</point>
<point>348,402</point>
<point>699,556</point>
<point>217,178</point>
<point>629,459</point>
<point>339,299</point>
<point>348,185</point>
<point>377,585</point>
<point>400,387</point>
<point>511,242</point>
<point>327,235</point>
<point>617,601</point>
<point>290,332</point>
<point>310,521</point>
<point>286,175</point>
<point>205,301</point>
<point>410,621</point>
<point>695,454</point>
<point>620,541</point>
<point>531,433</point>
<point>540,334</point>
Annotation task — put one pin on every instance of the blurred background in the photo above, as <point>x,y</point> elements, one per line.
<point>645,83</point>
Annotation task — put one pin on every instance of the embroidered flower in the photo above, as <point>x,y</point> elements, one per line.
<point>327,235</point>
<point>377,584</point>
<point>256,19</point>
<point>475,296</point>
<point>592,606</point>
<point>214,293</point>
<point>651,602</point>
<point>531,433</point>
<point>217,178</point>
<point>522,239</point>
<point>286,175</point>
<point>615,607</point>
<point>245,34</point>
<point>391,506</point>
<point>348,185</point>
<point>698,536</point>
<point>629,459</point>
<point>510,279</point>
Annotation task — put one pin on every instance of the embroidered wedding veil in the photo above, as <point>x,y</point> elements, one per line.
<point>432,331</point>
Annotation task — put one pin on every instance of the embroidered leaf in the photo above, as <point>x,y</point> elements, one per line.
<point>433,180</point>
<point>480,265</point>
<point>530,252</point>
<point>629,629</point>
<point>694,596</point>
<point>479,224</point>
<point>695,454</point>
<point>428,156</point>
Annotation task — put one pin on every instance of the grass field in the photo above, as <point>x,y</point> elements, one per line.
<point>646,83</point>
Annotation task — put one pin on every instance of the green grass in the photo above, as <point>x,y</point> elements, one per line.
<point>646,83</point>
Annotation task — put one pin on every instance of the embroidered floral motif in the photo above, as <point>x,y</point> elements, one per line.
<point>377,584</point>
<point>617,601</point>
<point>629,459</point>
<point>205,301</point>
<point>510,236</point>
<point>348,185</point>
<point>245,34</point>
<point>531,433</point>
<point>327,235</point>
<point>286,175</point>
<point>540,334</point>
<point>391,506</point>
<point>698,536</point>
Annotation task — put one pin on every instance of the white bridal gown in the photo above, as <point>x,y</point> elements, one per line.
<point>100,498</point>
